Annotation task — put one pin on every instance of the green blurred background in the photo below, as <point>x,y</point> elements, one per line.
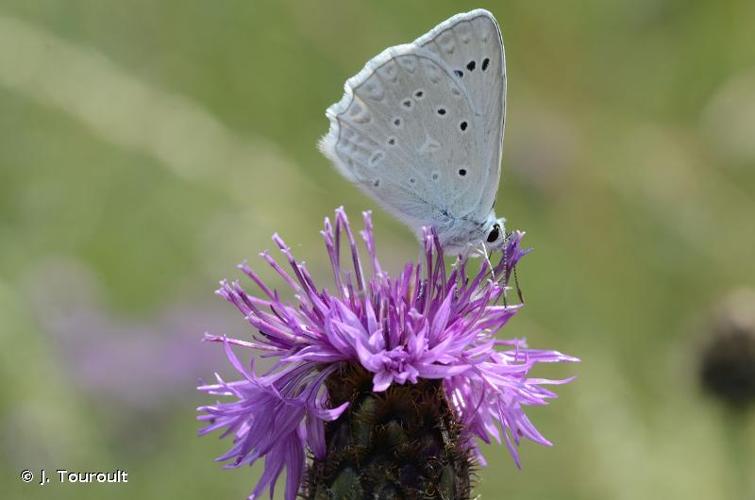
<point>148,147</point>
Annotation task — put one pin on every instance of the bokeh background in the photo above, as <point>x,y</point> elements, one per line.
<point>148,147</point>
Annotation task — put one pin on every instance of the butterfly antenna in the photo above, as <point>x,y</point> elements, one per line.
<point>505,272</point>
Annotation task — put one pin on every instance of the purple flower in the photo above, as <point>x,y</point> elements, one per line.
<point>423,323</point>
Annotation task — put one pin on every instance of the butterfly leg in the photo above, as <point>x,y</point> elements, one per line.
<point>484,253</point>
<point>508,272</point>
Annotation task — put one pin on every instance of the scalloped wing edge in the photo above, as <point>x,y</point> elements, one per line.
<point>329,141</point>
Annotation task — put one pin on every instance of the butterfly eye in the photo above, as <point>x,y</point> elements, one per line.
<point>494,233</point>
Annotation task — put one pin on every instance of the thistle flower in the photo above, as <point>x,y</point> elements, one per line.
<point>386,381</point>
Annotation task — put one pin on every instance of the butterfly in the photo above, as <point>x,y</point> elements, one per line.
<point>420,130</point>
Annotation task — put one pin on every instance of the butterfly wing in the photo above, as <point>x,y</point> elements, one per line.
<point>417,136</point>
<point>472,46</point>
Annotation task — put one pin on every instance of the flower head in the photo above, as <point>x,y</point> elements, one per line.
<point>424,323</point>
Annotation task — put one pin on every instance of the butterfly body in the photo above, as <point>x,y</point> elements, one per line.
<point>419,129</point>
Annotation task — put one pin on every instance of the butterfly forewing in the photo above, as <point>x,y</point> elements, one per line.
<point>419,128</point>
<point>472,46</point>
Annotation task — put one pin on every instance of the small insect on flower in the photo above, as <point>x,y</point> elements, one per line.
<point>343,356</point>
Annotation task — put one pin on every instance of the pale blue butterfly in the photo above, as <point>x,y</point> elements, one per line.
<point>420,129</point>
